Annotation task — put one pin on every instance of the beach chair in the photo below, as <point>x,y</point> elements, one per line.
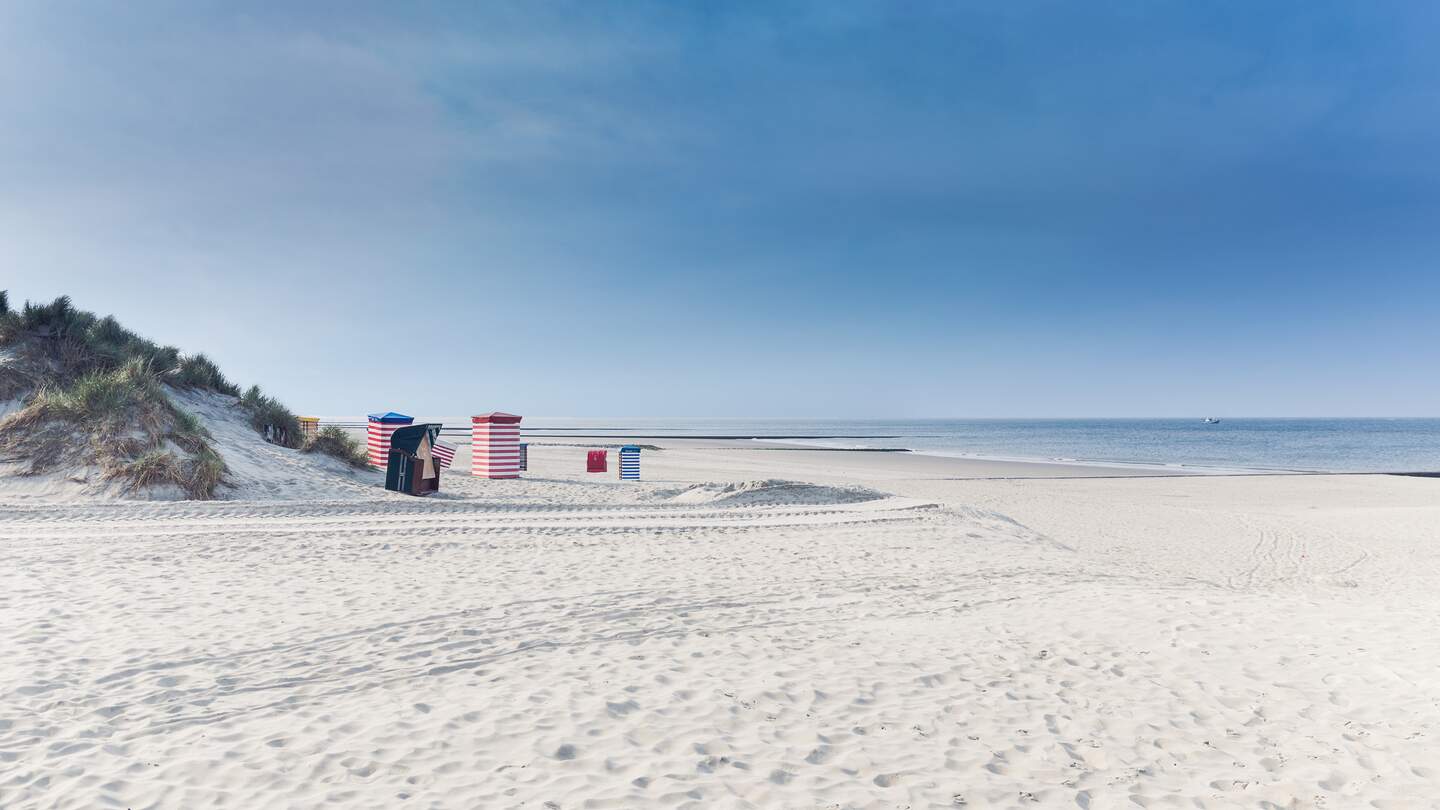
<point>596,462</point>
<point>412,467</point>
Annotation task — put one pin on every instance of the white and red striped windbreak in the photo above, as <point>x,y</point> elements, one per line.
<point>495,445</point>
<point>444,453</point>
<point>377,440</point>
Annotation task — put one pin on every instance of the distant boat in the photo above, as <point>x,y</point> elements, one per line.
<point>1210,420</point>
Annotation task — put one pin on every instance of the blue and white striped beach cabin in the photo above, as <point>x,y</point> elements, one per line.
<point>629,463</point>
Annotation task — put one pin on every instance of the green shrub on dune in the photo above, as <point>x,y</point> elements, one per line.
<point>332,441</point>
<point>268,412</point>
<point>119,397</point>
<point>200,372</point>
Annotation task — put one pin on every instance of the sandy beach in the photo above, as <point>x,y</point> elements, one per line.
<point>746,627</point>
<point>1034,405</point>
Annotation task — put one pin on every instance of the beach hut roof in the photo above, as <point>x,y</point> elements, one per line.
<point>408,438</point>
<point>498,416</point>
<point>389,416</point>
<point>630,448</point>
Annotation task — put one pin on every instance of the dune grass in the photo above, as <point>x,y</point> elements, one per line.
<point>121,420</point>
<point>332,441</point>
<point>265,411</point>
<point>197,476</point>
<point>97,392</point>
<point>77,343</point>
<point>199,371</point>
<point>111,398</point>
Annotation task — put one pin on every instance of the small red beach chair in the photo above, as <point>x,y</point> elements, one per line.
<point>595,461</point>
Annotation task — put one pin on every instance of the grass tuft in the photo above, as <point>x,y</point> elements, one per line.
<point>59,317</point>
<point>107,398</point>
<point>154,467</point>
<point>207,473</point>
<point>335,442</point>
<point>267,412</point>
<point>200,372</point>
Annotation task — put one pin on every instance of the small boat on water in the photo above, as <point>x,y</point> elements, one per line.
<point>1210,420</point>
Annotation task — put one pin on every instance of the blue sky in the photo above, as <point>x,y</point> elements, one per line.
<point>771,209</point>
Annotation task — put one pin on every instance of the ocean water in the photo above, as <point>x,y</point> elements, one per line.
<point>1309,445</point>
<point>1328,445</point>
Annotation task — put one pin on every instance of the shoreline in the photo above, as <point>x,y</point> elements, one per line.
<point>1199,469</point>
<point>760,456</point>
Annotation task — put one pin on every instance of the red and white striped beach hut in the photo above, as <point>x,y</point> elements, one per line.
<point>495,445</point>
<point>378,438</point>
<point>444,453</point>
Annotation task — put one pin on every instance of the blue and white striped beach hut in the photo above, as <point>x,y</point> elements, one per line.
<point>524,456</point>
<point>629,463</point>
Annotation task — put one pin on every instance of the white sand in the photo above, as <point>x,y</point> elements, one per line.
<point>570,641</point>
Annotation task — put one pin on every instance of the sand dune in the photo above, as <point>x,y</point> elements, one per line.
<point>562,642</point>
